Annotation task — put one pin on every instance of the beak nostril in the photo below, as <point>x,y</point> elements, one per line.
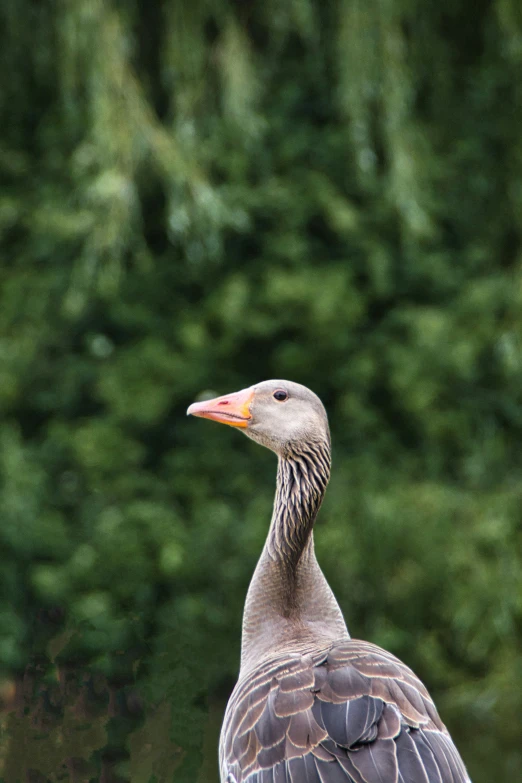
<point>223,402</point>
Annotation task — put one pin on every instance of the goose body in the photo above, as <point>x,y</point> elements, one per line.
<point>312,705</point>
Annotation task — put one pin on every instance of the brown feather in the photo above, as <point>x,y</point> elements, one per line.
<point>370,737</point>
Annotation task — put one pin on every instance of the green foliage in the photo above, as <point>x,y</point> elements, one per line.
<point>199,196</point>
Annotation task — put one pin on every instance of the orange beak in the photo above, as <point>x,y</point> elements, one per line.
<point>233,409</point>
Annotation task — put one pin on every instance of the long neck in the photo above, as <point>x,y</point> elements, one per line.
<point>302,478</point>
<point>289,602</point>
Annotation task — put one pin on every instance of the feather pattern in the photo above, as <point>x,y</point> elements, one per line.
<point>353,713</point>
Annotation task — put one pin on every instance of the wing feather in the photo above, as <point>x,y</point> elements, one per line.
<point>271,729</point>
<point>447,757</point>
<point>413,770</point>
<point>304,731</point>
<point>433,770</point>
<point>291,702</point>
<point>332,773</point>
<point>350,722</point>
<point>303,769</point>
<point>352,713</point>
<point>269,757</point>
<point>377,762</point>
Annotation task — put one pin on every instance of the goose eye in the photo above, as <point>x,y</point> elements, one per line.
<point>280,395</point>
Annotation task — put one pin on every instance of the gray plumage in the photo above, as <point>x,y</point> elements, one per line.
<point>311,704</point>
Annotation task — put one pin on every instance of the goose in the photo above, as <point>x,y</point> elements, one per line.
<point>313,705</point>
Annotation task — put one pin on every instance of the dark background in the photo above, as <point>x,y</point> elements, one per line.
<point>196,196</point>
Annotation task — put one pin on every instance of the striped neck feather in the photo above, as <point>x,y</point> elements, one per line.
<point>302,478</point>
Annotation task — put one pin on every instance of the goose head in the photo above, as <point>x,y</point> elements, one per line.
<point>282,415</point>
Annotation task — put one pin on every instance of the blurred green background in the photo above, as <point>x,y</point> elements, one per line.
<point>196,196</point>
